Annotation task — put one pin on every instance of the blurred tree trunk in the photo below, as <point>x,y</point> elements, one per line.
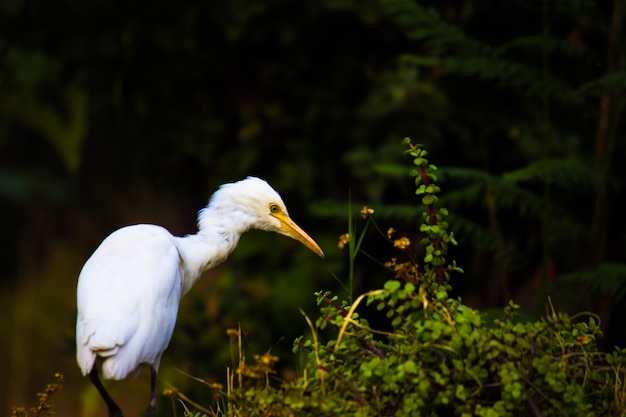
<point>610,114</point>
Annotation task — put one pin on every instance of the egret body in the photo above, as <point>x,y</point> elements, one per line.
<point>130,288</point>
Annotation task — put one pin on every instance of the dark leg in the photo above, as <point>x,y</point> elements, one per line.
<point>151,409</point>
<point>114,409</point>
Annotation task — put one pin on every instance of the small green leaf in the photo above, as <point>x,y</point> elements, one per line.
<point>392,286</point>
<point>427,200</point>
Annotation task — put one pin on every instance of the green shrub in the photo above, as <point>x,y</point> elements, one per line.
<point>433,355</point>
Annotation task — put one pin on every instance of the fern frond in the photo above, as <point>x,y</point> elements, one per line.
<point>564,172</point>
<point>471,195</point>
<point>511,196</point>
<point>390,169</point>
<point>464,173</point>
<point>607,278</point>
<point>554,46</point>
<point>577,8</point>
<point>426,25</point>
<point>506,194</point>
<point>615,83</point>
<point>473,234</point>
<point>526,79</point>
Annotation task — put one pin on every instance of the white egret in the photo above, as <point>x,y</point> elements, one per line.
<point>129,289</point>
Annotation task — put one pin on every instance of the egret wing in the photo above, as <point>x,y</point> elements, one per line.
<point>128,295</point>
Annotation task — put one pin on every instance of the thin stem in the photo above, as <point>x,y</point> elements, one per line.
<point>432,215</point>
<point>351,245</point>
<point>347,383</point>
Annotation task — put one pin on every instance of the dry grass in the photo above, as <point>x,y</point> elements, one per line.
<point>43,408</point>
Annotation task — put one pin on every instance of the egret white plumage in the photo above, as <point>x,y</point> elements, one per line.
<point>129,289</point>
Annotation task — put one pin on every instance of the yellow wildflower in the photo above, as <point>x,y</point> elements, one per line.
<point>583,339</point>
<point>406,271</point>
<point>343,240</point>
<point>366,211</point>
<point>402,243</point>
<point>390,232</point>
<point>232,333</point>
<point>216,386</point>
<point>266,359</point>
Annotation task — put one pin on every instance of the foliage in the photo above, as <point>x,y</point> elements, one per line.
<point>608,278</point>
<point>537,186</point>
<point>435,356</point>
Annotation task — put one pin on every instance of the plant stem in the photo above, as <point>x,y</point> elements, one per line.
<point>432,216</point>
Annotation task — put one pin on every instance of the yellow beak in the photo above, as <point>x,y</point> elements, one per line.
<point>292,230</point>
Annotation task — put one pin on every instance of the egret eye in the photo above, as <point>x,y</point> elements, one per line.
<point>274,208</point>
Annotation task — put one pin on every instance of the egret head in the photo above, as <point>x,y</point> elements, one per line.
<point>261,208</point>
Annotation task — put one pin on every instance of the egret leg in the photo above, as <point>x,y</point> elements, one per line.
<point>151,409</point>
<point>114,409</point>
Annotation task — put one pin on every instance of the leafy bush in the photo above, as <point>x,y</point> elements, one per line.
<point>432,355</point>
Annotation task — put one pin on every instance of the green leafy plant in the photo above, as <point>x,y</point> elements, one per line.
<point>432,355</point>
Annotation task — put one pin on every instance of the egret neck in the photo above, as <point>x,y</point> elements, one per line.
<point>216,239</point>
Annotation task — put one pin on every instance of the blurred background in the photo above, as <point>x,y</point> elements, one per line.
<point>115,113</point>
